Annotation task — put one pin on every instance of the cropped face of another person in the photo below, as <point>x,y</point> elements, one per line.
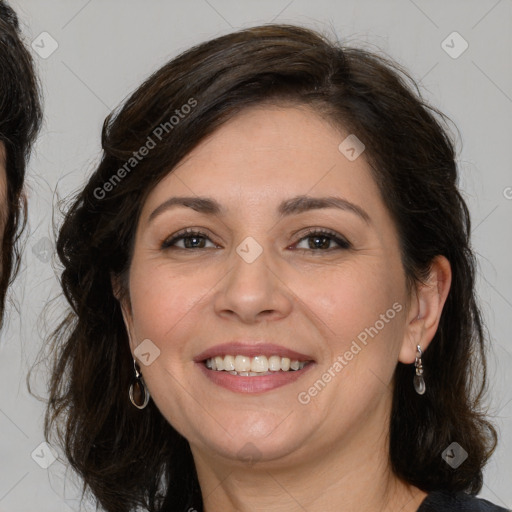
<point>20,119</point>
<point>3,193</point>
<point>325,274</point>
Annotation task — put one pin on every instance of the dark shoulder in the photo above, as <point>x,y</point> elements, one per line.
<point>444,501</point>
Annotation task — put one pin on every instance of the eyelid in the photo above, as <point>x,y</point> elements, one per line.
<point>337,238</point>
<point>341,240</point>
<point>187,232</point>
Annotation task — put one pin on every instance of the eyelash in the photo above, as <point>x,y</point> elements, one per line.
<point>191,233</point>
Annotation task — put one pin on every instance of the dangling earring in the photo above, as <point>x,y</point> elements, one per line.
<point>139,394</point>
<point>419,381</point>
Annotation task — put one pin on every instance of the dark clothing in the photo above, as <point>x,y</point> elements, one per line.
<point>436,501</point>
<point>443,501</point>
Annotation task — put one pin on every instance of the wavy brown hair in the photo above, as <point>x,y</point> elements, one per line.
<point>20,120</point>
<point>129,458</point>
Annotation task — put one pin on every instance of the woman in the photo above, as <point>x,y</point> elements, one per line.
<point>272,292</point>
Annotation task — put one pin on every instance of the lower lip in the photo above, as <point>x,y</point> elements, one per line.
<point>261,384</point>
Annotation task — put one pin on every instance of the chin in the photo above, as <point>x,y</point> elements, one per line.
<point>248,439</point>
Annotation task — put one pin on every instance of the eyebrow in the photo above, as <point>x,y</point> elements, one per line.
<point>294,205</point>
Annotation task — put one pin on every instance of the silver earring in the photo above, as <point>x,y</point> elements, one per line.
<point>138,392</point>
<point>419,381</point>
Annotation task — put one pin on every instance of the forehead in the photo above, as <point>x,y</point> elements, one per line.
<point>266,132</point>
<point>272,151</point>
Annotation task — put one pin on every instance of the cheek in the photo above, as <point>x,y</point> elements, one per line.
<point>352,297</point>
<point>162,298</point>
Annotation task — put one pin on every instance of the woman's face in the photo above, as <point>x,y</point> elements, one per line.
<point>269,275</point>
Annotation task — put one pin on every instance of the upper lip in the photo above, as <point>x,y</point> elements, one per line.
<point>251,350</point>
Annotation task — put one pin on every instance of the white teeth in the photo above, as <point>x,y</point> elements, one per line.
<point>242,364</point>
<point>219,363</point>
<point>250,374</point>
<point>229,363</point>
<point>253,366</point>
<point>259,364</point>
<point>274,363</point>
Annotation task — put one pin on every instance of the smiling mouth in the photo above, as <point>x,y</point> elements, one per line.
<point>257,366</point>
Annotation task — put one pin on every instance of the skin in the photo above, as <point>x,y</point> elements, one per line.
<point>3,194</point>
<point>331,454</point>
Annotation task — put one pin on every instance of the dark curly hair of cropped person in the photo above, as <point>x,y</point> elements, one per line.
<point>20,120</point>
<point>127,459</point>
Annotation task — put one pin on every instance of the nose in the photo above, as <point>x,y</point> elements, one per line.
<point>253,291</point>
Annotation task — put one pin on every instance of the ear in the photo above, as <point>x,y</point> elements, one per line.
<point>425,308</point>
<point>124,301</point>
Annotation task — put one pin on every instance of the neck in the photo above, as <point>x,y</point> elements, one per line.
<point>354,475</point>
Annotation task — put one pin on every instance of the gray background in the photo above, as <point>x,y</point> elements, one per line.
<point>106,48</point>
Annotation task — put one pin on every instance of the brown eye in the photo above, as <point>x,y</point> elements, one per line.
<point>322,240</point>
<point>191,240</point>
